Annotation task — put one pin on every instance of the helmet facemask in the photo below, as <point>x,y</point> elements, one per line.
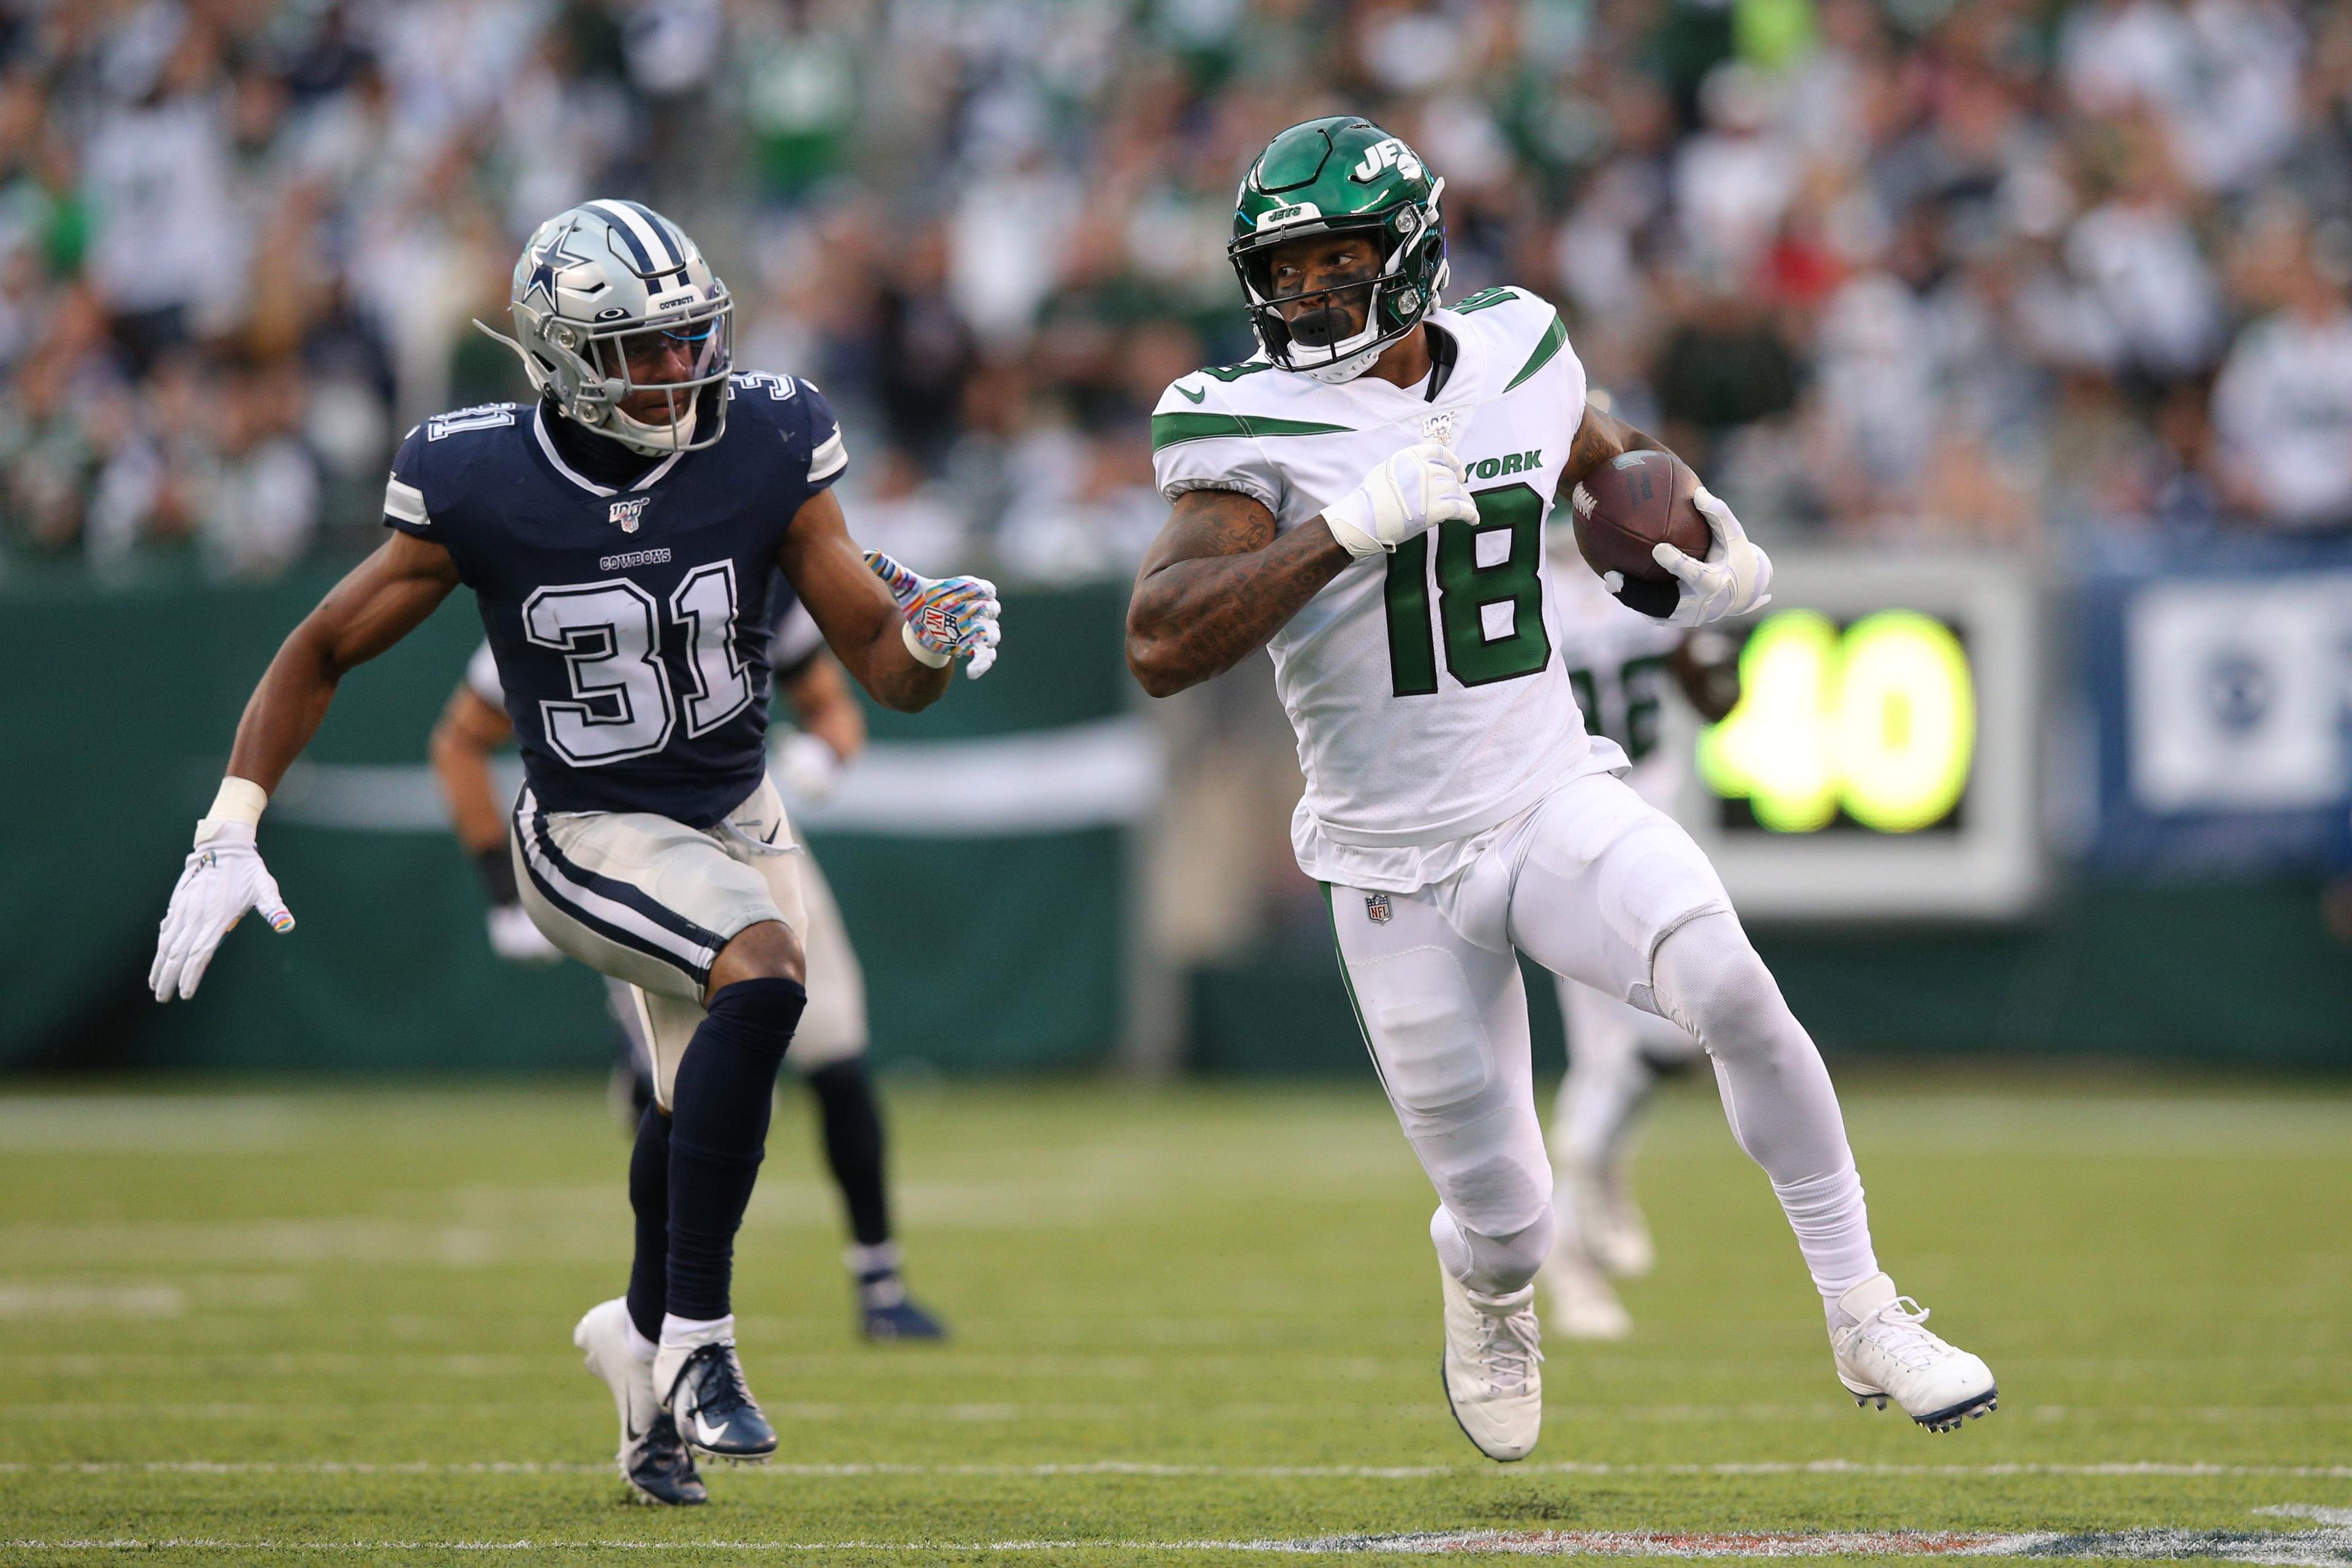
<point>701,342</point>
<point>611,302</point>
<point>1409,241</point>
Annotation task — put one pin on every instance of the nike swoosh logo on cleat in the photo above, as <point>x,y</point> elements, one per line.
<point>705,1433</point>
<point>1199,396</point>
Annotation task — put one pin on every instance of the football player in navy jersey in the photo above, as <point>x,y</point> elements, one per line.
<point>829,1050</point>
<point>622,537</point>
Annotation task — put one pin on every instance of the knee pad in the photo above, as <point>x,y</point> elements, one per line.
<point>1711,980</point>
<point>1491,1264</point>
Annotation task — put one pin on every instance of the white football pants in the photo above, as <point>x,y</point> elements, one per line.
<point>833,1028</point>
<point>1595,884</point>
<point>1615,1050</point>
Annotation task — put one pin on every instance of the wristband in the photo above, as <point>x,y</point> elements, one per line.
<point>922,655</point>
<point>496,868</point>
<point>1355,539</point>
<point>239,800</point>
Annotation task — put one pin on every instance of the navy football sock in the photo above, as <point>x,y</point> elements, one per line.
<point>649,1199</point>
<point>719,1132</point>
<point>852,1145</point>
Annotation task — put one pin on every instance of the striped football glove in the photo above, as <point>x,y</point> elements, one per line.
<point>947,617</point>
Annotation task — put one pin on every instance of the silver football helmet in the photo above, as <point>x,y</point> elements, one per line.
<point>611,299</point>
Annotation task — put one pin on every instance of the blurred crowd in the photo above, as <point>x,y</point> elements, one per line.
<point>2004,270</point>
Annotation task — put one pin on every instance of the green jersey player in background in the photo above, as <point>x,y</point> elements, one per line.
<point>1366,499</point>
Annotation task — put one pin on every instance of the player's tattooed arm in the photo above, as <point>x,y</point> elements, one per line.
<point>861,622</point>
<point>384,598</point>
<point>1602,437</point>
<point>1216,585</point>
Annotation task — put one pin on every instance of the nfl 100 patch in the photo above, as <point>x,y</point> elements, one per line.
<point>1377,909</point>
<point>629,511</point>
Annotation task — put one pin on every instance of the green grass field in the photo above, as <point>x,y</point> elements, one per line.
<point>338,1319</point>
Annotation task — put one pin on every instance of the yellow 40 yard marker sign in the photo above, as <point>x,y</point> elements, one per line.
<point>1878,720</point>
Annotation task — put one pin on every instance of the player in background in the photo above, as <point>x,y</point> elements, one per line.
<point>626,537</point>
<point>1365,499</point>
<point>1620,664</point>
<point>829,1049</point>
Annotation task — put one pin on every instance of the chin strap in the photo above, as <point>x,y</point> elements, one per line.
<point>649,442</point>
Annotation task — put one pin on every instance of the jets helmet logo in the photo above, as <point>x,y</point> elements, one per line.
<point>1392,154</point>
<point>1377,910</point>
<point>628,512</point>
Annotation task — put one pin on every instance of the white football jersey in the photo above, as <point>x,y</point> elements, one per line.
<point>1430,701</point>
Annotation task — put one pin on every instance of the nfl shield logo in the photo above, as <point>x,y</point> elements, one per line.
<point>1376,909</point>
<point>628,512</point>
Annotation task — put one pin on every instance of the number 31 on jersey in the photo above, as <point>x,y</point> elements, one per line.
<point>610,636</point>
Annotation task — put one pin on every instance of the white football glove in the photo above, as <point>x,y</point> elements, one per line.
<point>516,939</point>
<point>1407,494</point>
<point>1731,581</point>
<point>947,617</point>
<point>223,879</point>
<point>810,768</point>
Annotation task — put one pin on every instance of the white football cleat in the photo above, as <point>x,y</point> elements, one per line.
<point>653,1461</point>
<point>1885,1351</point>
<point>1491,1368</point>
<point>1578,1301</point>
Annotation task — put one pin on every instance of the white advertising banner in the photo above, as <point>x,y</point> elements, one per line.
<point>2240,693</point>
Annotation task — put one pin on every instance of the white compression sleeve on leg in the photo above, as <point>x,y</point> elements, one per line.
<point>1775,1093</point>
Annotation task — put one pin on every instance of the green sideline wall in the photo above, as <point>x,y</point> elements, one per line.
<point>993,953</point>
<point>122,712</point>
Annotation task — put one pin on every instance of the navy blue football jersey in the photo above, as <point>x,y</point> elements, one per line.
<point>631,626</point>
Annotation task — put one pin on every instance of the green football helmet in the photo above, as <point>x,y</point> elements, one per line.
<point>1340,174</point>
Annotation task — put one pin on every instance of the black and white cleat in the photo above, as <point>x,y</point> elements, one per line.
<point>712,1406</point>
<point>652,1460</point>
<point>660,1468</point>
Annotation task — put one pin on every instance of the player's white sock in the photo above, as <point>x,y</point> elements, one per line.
<point>883,1258</point>
<point>678,1332</point>
<point>1832,1226</point>
<point>1490,1265</point>
<point>641,1347</point>
<point>1775,1093</point>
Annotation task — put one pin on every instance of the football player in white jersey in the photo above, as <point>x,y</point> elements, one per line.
<point>829,1049</point>
<point>1365,499</point>
<point>1622,665</point>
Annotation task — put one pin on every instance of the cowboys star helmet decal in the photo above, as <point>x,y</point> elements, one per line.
<point>549,261</point>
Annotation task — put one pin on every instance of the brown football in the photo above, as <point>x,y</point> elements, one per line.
<point>1631,504</point>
